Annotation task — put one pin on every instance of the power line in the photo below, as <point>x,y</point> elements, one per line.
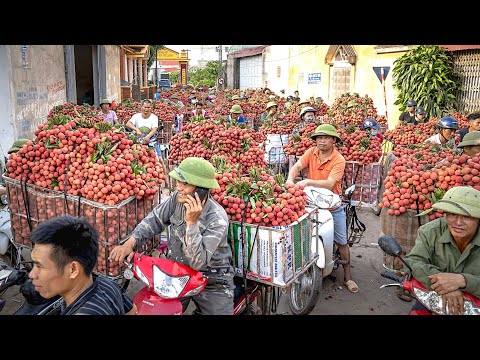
<point>294,55</point>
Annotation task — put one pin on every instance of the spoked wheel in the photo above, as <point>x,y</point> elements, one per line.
<point>305,290</point>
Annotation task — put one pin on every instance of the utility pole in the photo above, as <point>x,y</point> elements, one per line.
<point>220,67</point>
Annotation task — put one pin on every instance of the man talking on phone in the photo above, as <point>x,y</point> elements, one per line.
<point>198,234</point>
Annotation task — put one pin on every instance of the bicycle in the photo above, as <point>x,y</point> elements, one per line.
<point>355,228</point>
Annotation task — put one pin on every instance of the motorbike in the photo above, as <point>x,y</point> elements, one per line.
<point>168,281</point>
<point>428,298</point>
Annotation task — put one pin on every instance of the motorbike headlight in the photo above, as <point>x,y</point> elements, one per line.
<point>141,276</point>
<point>167,286</point>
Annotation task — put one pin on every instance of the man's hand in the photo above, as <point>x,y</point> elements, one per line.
<point>138,132</point>
<point>119,253</point>
<point>455,301</point>
<point>194,208</point>
<point>443,283</point>
<point>304,182</point>
<point>289,182</point>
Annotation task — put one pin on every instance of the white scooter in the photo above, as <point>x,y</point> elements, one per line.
<point>324,199</point>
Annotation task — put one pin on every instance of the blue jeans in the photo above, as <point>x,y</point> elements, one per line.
<point>340,225</point>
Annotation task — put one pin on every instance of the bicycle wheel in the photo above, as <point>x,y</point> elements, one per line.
<point>305,290</point>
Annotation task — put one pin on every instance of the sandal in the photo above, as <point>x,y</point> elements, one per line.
<point>404,295</point>
<point>351,286</point>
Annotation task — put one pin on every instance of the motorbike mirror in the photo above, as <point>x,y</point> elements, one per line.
<point>389,245</point>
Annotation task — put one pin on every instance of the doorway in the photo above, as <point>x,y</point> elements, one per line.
<point>84,74</point>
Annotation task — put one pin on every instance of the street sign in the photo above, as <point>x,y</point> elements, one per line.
<point>220,81</point>
<point>314,78</point>
<point>378,71</point>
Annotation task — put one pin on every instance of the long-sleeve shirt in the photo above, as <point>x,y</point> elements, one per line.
<point>435,251</point>
<point>200,245</point>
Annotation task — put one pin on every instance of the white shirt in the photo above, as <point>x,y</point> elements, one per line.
<point>436,139</point>
<point>150,122</point>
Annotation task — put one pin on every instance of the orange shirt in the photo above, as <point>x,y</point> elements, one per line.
<point>333,166</point>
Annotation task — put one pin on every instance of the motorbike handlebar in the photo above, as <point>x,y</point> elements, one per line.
<point>391,276</point>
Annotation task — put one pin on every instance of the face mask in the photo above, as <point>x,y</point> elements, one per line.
<point>374,132</point>
<point>310,118</point>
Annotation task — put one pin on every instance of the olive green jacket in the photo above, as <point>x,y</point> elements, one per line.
<point>435,251</point>
<point>199,246</point>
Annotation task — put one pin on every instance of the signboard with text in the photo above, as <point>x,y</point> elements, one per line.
<point>314,78</point>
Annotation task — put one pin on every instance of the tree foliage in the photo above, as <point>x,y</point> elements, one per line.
<point>426,74</point>
<point>205,76</point>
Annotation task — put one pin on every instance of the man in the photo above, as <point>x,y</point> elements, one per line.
<point>471,144</point>
<point>198,234</point>
<point>199,113</point>
<point>473,125</point>
<point>446,257</point>
<point>445,136</point>
<point>236,116</point>
<point>326,167</point>
<point>270,112</point>
<point>408,117</point>
<point>307,114</point>
<point>420,117</point>
<point>145,118</point>
<point>296,96</point>
<point>64,255</point>
<point>106,113</point>
<point>371,125</point>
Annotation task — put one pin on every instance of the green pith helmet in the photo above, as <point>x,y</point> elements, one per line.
<point>470,139</point>
<point>196,171</point>
<point>17,145</point>
<point>236,109</point>
<point>235,97</point>
<point>270,104</point>
<point>460,200</point>
<point>105,101</point>
<point>325,129</point>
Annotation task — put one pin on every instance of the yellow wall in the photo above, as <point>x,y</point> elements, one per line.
<point>300,60</point>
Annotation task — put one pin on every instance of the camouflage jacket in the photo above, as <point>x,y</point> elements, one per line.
<point>199,246</point>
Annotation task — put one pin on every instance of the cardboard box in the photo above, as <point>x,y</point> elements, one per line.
<point>277,255</point>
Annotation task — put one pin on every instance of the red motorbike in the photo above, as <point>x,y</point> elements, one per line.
<point>429,299</point>
<point>168,281</point>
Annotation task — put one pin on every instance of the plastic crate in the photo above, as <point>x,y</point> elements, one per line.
<point>278,254</point>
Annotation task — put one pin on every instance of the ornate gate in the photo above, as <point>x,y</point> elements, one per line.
<point>467,63</point>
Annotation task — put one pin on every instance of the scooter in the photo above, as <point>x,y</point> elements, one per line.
<point>430,299</point>
<point>167,282</point>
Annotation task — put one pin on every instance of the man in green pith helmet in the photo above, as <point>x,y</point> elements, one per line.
<point>326,167</point>
<point>446,254</point>
<point>199,234</point>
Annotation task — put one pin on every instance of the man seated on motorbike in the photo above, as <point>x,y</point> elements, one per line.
<point>326,167</point>
<point>446,254</point>
<point>198,228</point>
<point>64,255</point>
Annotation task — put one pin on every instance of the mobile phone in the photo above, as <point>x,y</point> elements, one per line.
<point>202,193</point>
